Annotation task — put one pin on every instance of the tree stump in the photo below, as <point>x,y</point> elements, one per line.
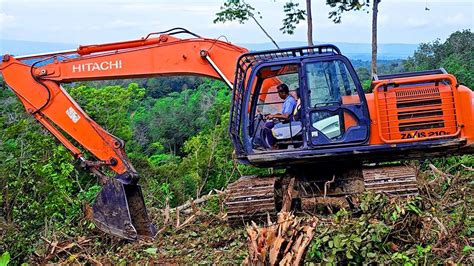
<point>283,242</point>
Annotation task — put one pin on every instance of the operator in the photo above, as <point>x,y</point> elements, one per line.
<point>286,114</point>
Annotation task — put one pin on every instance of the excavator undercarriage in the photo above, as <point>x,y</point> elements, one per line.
<point>315,190</point>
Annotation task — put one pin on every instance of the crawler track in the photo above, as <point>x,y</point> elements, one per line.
<point>251,198</point>
<point>392,180</point>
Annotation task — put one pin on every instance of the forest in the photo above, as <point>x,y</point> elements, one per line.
<point>176,134</point>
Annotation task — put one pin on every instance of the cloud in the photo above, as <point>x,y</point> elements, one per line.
<point>120,23</point>
<point>416,22</point>
<point>459,19</point>
<point>5,19</point>
<point>168,7</point>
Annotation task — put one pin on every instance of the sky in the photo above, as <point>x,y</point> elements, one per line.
<point>88,22</point>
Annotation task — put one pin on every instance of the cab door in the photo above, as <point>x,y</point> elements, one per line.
<point>336,109</point>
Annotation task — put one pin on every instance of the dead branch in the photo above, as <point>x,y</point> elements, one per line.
<point>56,247</point>
<point>177,218</point>
<point>439,172</point>
<point>190,203</point>
<point>186,222</point>
<point>454,204</point>
<point>441,225</point>
<point>288,196</point>
<point>167,211</point>
<point>327,184</point>
<point>467,167</point>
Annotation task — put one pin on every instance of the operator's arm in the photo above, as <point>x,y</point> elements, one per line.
<point>287,110</point>
<point>279,116</point>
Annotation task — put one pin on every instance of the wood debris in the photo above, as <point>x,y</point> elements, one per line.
<point>283,242</point>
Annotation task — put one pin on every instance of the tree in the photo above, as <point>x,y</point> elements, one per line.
<point>239,10</point>
<point>375,10</point>
<point>456,55</point>
<point>293,16</point>
<point>309,22</point>
<point>342,6</point>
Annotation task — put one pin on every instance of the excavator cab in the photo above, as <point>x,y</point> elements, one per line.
<point>331,113</point>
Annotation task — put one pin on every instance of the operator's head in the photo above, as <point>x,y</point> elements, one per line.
<point>283,91</point>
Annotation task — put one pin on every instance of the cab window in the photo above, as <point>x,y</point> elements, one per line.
<point>329,83</point>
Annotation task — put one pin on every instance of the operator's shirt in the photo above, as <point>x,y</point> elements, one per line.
<point>289,106</point>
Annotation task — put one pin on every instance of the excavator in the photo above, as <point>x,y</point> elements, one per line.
<point>338,147</point>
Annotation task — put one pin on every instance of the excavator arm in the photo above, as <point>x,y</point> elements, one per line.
<point>119,208</point>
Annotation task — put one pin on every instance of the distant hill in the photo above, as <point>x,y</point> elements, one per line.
<point>15,47</point>
<point>355,51</point>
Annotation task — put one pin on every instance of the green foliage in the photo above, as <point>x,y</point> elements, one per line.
<point>155,88</point>
<point>369,238</point>
<point>5,259</point>
<point>239,10</point>
<point>167,123</point>
<point>39,181</point>
<point>341,6</point>
<point>456,55</point>
<point>293,16</point>
<point>110,106</point>
<point>235,10</point>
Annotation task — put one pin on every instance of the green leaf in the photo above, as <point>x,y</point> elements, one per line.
<point>5,259</point>
<point>467,249</point>
<point>394,216</point>
<point>151,251</point>
<point>349,255</point>
<point>371,255</point>
<point>337,242</point>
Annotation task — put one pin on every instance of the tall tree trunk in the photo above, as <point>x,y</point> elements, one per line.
<point>375,10</point>
<point>310,22</point>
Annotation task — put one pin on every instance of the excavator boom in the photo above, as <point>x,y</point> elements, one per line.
<point>119,208</point>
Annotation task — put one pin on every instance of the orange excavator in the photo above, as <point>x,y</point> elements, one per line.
<point>330,152</point>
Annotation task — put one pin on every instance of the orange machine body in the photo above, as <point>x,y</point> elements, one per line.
<point>421,111</point>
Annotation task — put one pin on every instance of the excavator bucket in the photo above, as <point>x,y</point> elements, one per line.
<point>119,210</point>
